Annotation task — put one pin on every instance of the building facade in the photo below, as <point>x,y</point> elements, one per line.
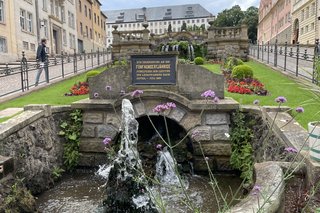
<point>304,21</point>
<point>8,43</point>
<point>274,21</point>
<point>91,26</point>
<point>159,19</point>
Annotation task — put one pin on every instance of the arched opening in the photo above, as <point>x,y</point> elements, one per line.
<point>295,31</point>
<point>148,139</point>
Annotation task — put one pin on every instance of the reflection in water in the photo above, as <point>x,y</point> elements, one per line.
<point>83,192</point>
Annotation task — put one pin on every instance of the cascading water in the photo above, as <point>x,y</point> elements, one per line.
<point>127,188</point>
<point>190,52</point>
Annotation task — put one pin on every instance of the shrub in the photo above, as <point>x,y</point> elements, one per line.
<point>231,62</point>
<point>199,61</point>
<point>242,71</point>
<point>91,74</point>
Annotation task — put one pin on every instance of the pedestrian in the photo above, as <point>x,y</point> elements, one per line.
<point>41,57</point>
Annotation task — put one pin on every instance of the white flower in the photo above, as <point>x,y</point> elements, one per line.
<point>227,135</point>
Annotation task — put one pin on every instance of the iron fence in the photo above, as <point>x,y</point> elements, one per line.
<point>21,76</point>
<point>301,61</point>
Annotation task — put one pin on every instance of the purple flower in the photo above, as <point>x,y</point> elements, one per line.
<point>280,99</point>
<point>106,141</point>
<point>160,108</point>
<point>208,94</point>
<point>216,99</point>
<point>256,102</point>
<point>290,150</point>
<point>108,88</point>
<point>171,105</point>
<point>195,134</point>
<point>158,146</point>
<point>299,110</point>
<point>95,95</point>
<point>136,93</point>
<point>256,189</point>
<point>122,92</point>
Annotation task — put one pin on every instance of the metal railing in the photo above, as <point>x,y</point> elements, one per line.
<point>21,76</point>
<point>294,59</point>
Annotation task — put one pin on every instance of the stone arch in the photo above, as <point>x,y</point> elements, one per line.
<point>295,31</point>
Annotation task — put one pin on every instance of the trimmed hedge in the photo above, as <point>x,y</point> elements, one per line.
<point>231,62</point>
<point>242,71</point>
<point>91,74</point>
<point>199,61</point>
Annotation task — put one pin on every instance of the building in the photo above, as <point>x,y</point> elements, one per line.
<point>8,43</point>
<point>91,25</point>
<point>274,21</point>
<point>57,23</point>
<point>158,18</point>
<point>304,21</point>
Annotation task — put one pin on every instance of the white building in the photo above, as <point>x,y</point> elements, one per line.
<point>57,23</point>
<point>158,18</point>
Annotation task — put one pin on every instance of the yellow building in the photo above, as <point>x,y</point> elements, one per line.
<point>304,21</point>
<point>8,47</point>
<point>90,25</point>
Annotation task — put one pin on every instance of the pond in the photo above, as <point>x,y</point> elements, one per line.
<point>84,192</point>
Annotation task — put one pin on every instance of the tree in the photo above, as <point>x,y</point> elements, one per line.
<point>169,28</point>
<point>229,17</point>
<point>184,26</point>
<point>251,19</point>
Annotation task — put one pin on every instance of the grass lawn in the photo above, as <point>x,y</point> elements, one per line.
<point>53,94</point>
<point>278,85</point>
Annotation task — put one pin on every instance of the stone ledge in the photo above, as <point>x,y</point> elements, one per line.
<point>62,108</point>
<point>269,176</point>
<point>20,121</point>
<point>34,107</point>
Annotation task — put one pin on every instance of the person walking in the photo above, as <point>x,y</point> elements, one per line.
<point>41,57</point>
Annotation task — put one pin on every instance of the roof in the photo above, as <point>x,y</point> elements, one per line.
<point>157,13</point>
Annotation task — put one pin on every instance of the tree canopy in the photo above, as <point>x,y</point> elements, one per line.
<point>235,17</point>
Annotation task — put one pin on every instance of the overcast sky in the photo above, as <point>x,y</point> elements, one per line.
<point>213,6</point>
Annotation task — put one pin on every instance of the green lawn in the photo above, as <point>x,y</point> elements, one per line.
<point>53,94</point>
<point>278,85</point>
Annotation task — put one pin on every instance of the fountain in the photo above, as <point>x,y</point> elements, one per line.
<point>127,188</point>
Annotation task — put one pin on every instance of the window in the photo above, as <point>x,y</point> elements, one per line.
<point>192,21</point>
<point>32,47</point>
<point>52,7</point>
<point>96,36</point>
<point>1,12</point>
<point>23,19</point>
<point>3,45</point>
<point>90,13</point>
<point>45,28</point>
<point>44,5</point>
<point>29,23</point>
<point>307,28</point>
<point>313,8</point>
<point>64,37</point>
<point>307,12</point>
<point>87,32</point>
<point>302,15</point>
<point>312,26</point>
<point>98,20</point>
<point>95,18</point>
<point>25,45</point>
<point>164,23</point>
<point>179,22</point>
<point>80,6</point>
<point>63,15</point>
<point>90,33</point>
<point>56,5</point>
<point>174,22</point>
<point>70,40</point>
<point>160,31</point>
<point>71,19</point>
<point>81,28</point>
<point>301,31</point>
<point>85,10</point>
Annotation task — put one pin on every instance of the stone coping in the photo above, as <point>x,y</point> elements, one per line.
<point>269,179</point>
<point>31,113</point>
<point>226,104</point>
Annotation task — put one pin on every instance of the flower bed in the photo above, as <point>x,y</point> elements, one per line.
<point>246,86</point>
<point>81,88</point>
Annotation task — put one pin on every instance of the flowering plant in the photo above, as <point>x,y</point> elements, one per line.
<point>81,88</point>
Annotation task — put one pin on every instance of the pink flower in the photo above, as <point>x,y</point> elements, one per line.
<point>280,99</point>
<point>160,108</point>
<point>299,110</point>
<point>195,134</point>
<point>158,146</point>
<point>290,150</point>
<point>171,105</point>
<point>95,95</point>
<point>106,141</point>
<point>256,190</point>
<point>136,93</point>
<point>122,92</point>
<point>216,99</point>
<point>256,102</point>
<point>108,88</point>
<point>208,94</point>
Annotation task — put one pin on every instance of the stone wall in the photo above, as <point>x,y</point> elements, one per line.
<point>31,139</point>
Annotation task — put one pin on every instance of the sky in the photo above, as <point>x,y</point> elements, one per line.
<point>213,6</point>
